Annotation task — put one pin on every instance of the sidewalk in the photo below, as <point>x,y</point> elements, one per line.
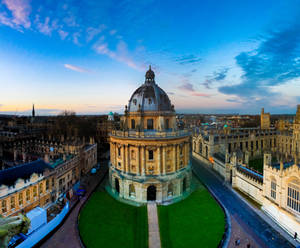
<point>153,226</point>
<point>67,235</point>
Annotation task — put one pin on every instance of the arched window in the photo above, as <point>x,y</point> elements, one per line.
<point>132,124</point>
<point>293,195</point>
<point>131,190</point>
<point>119,151</point>
<point>150,154</point>
<point>167,124</point>
<point>27,195</point>
<point>273,188</point>
<point>4,207</point>
<point>150,124</point>
<point>206,152</point>
<point>194,146</point>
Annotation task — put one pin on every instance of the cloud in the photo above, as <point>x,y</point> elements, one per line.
<point>20,11</point>
<point>121,54</point>
<point>274,62</point>
<point>188,59</point>
<point>171,93</point>
<point>92,32</point>
<point>63,34</point>
<point>47,26</point>
<point>188,87</point>
<point>217,76</point>
<point>75,68</point>
<point>112,32</point>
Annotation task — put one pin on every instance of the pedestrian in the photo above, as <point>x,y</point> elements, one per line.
<point>237,242</point>
<point>248,245</point>
<point>295,236</point>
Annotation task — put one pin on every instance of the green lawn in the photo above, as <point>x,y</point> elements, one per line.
<point>197,221</point>
<point>105,222</point>
<point>257,164</point>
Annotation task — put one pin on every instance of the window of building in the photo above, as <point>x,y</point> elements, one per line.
<point>132,124</point>
<point>293,197</point>
<point>273,189</point>
<point>132,154</point>
<point>34,191</point>
<point>134,101</point>
<point>150,124</point>
<point>27,195</point>
<point>41,188</point>
<point>119,151</point>
<point>150,101</point>
<point>119,164</point>
<point>4,207</point>
<point>47,184</point>
<point>20,199</point>
<point>150,154</point>
<point>181,150</point>
<point>12,202</point>
<point>52,182</point>
<point>167,124</point>
<point>262,144</point>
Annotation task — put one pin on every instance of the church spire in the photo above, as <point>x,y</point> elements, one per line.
<point>33,111</point>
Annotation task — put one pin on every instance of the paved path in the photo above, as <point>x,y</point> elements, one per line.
<point>153,227</point>
<point>252,227</point>
<point>67,235</point>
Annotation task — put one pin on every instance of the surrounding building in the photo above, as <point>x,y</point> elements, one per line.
<point>265,122</point>
<point>149,154</point>
<point>277,187</point>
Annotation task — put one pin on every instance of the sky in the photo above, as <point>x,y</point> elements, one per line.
<point>89,56</point>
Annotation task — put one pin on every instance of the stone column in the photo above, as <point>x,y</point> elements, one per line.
<point>115,155</point>
<point>127,152</point>
<point>138,172</point>
<point>175,157</point>
<point>164,151</point>
<point>123,157</point>
<point>159,160</point>
<point>143,165</point>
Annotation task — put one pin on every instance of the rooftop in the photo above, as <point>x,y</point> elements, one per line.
<point>24,171</point>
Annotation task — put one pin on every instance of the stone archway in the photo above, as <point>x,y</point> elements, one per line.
<point>117,185</point>
<point>151,193</point>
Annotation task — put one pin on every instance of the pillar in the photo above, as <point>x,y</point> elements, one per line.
<point>159,160</point>
<point>143,165</point>
<point>138,172</point>
<point>164,160</point>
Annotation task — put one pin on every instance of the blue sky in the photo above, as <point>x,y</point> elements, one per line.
<point>89,56</point>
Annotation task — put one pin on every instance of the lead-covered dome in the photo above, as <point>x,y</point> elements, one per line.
<point>149,97</point>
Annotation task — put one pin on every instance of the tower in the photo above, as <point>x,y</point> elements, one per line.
<point>149,154</point>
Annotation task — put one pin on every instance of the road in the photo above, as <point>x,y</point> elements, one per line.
<point>253,225</point>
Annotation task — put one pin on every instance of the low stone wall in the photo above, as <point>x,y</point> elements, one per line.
<point>249,185</point>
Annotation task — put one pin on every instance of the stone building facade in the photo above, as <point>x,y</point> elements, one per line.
<point>149,155</point>
<point>277,189</point>
<point>26,186</point>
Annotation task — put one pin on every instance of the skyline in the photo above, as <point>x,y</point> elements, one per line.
<point>89,57</point>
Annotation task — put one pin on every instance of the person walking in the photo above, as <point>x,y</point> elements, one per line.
<point>296,235</point>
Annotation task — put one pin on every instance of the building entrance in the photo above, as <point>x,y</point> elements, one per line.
<point>151,193</point>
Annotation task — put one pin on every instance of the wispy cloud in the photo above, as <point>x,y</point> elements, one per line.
<point>274,62</point>
<point>217,76</point>
<point>121,54</point>
<point>92,32</point>
<point>76,68</point>
<point>19,10</point>
<point>188,87</point>
<point>188,59</point>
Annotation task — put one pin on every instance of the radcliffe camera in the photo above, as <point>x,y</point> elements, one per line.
<point>149,124</point>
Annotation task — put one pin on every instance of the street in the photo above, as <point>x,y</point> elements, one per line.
<point>254,226</point>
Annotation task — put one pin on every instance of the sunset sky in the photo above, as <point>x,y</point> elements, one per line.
<point>209,56</point>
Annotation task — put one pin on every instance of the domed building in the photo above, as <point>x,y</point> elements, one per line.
<point>149,154</point>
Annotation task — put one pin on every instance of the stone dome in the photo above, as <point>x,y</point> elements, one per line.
<point>149,97</point>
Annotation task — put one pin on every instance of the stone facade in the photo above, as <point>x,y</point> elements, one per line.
<point>149,155</point>
<point>278,188</point>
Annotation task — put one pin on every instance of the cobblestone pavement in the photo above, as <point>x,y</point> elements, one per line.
<point>67,235</point>
<point>153,227</point>
<point>247,223</point>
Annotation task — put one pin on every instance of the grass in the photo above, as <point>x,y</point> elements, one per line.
<point>197,221</point>
<point>105,222</point>
<point>257,164</point>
